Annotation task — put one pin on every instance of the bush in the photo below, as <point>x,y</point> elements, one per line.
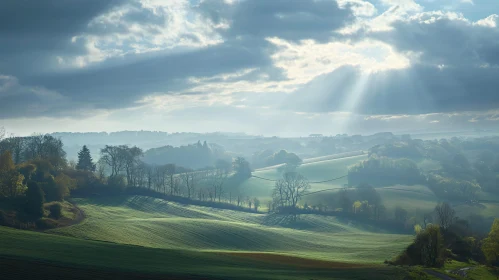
<point>55,211</point>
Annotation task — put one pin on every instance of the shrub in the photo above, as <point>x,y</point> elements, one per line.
<point>55,211</point>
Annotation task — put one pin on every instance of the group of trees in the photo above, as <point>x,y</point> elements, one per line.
<point>195,156</point>
<point>269,158</point>
<point>454,177</point>
<point>32,172</point>
<point>24,149</point>
<point>363,200</point>
<point>450,237</point>
<point>383,171</point>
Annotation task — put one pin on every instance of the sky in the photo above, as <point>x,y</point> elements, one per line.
<point>266,67</point>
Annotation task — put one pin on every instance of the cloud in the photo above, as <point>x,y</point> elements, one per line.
<point>301,59</point>
<point>32,33</point>
<point>417,90</point>
<point>445,39</point>
<point>288,19</point>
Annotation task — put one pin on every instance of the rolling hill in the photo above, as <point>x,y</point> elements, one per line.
<point>319,169</point>
<point>157,223</point>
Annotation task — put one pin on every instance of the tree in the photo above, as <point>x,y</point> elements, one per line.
<point>490,246</point>
<point>242,168</point>
<point>11,181</point>
<point>288,190</point>
<point>85,160</point>
<point>256,204</point>
<point>6,163</point>
<point>114,157</point>
<point>400,214</point>
<point>217,180</point>
<point>190,180</point>
<point>34,200</point>
<point>131,160</point>
<point>445,215</point>
<point>428,247</point>
<point>344,200</point>
<point>172,182</point>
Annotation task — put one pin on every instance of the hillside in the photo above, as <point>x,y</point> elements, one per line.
<point>25,255</point>
<point>160,224</point>
<point>316,169</point>
<point>416,198</point>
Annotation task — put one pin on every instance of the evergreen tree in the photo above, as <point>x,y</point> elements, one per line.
<point>85,160</point>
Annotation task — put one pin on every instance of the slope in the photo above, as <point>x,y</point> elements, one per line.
<point>156,223</point>
<point>30,255</point>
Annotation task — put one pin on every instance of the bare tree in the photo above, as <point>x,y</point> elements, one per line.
<point>256,204</point>
<point>217,179</point>
<point>170,173</point>
<point>131,158</point>
<point>289,189</point>
<point>239,199</point>
<point>445,214</point>
<point>190,180</point>
<point>113,157</point>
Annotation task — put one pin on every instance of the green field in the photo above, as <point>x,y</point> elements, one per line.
<point>26,255</point>
<point>153,237</point>
<point>416,198</point>
<point>157,223</point>
<point>314,171</point>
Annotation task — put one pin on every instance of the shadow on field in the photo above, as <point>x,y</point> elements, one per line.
<point>13,268</point>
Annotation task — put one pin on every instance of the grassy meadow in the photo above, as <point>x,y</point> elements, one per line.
<point>157,223</point>
<point>24,255</point>
<point>315,170</point>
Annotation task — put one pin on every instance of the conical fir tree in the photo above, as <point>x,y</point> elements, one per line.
<point>85,160</point>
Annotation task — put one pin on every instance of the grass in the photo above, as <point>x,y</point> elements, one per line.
<point>156,223</point>
<point>93,259</point>
<point>476,271</point>
<point>147,237</point>
<point>314,171</point>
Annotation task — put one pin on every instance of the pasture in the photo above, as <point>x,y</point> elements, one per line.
<point>157,223</point>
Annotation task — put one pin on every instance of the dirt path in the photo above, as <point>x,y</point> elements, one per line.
<point>80,215</point>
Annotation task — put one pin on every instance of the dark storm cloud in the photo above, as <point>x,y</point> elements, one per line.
<point>32,32</point>
<point>288,19</point>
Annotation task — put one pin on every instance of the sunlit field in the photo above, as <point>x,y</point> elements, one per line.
<point>156,223</point>
<point>316,170</point>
